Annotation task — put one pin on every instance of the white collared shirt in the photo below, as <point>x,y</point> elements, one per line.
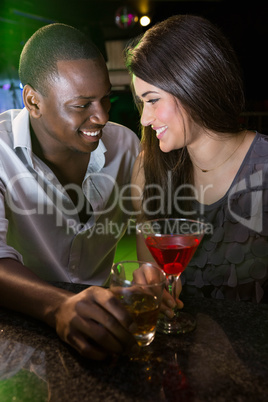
<point>39,224</point>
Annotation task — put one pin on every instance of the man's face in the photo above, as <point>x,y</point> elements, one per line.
<point>76,107</point>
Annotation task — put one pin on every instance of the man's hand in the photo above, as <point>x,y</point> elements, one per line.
<point>95,323</point>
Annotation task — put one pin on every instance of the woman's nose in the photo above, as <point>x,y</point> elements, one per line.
<point>147,117</point>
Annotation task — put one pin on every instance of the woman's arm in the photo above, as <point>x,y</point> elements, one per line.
<point>143,254</point>
<point>137,186</point>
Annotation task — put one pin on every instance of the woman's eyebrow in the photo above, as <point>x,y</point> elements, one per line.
<point>147,93</point>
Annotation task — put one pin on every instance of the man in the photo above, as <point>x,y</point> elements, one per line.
<point>64,174</point>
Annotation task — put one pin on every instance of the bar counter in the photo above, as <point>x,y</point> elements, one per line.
<point>224,359</point>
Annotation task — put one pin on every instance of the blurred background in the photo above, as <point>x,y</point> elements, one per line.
<point>111,24</point>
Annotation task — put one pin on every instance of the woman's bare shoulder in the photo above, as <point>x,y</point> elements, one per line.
<point>137,182</point>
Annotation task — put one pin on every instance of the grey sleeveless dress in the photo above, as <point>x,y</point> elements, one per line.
<point>232,259</point>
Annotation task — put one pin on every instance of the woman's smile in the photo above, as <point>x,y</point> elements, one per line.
<point>160,131</point>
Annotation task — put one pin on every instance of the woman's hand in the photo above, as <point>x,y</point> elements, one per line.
<point>169,303</point>
<point>95,323</point>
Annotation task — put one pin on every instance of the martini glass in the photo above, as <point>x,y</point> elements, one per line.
<point>172,243</point>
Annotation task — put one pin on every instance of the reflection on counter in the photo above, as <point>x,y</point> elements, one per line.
<point>22,367</point>
<point>224,359</point>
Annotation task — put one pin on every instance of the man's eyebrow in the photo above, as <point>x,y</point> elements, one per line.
<point>93,97</point>
<point>84,97</point>
<point>90,97</point>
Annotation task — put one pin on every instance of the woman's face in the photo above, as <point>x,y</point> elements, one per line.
<point>162,111</point>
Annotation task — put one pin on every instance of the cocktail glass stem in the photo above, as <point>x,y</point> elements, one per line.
<point>185,323</point>
<point>171,284</point>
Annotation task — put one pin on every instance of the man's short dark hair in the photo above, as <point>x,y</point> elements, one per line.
<point>47,46</point>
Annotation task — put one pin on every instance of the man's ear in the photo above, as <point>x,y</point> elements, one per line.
<point>31,100</point>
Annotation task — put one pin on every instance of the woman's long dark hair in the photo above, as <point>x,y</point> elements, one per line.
<point>188,57</point>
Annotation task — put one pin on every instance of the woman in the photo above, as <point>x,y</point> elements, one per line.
<point>197,160</point>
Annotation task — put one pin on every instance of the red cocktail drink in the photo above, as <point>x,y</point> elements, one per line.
<point>172,253</point>
<point>172,243</point>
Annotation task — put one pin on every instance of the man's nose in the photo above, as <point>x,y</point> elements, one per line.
<point>100,114</point>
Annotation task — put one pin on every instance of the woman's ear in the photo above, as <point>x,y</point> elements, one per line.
<point>31,100</point>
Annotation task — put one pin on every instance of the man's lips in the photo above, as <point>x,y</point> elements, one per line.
<point>91,133</point>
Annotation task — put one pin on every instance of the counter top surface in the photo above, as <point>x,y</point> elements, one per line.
<point>224,359</point>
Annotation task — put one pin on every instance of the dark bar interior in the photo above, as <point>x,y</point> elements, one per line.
<point>225,357</point>
<point>245,24</point>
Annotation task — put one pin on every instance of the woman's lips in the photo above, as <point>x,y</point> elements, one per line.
<point>160,131</point>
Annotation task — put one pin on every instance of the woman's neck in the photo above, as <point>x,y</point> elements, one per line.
<point>216,165</point>
<point>209,153</point>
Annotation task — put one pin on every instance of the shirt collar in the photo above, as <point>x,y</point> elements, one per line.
<point>97,159</point>
<point>21,130</point>
<point>22,139</point>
